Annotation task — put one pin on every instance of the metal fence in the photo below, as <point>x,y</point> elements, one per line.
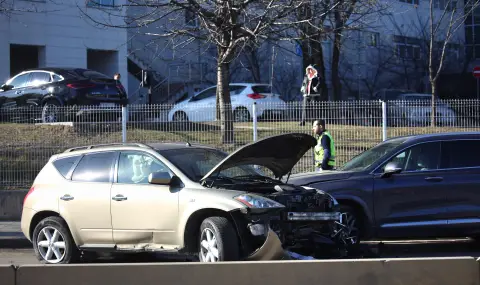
<point>28,137</point>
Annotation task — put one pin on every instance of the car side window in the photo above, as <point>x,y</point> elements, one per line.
<point>236,89</point>
<point>95,167</point>
<point>39,78</point>
<point>461,154</point>
<point>134,167</point>
<point>20,81</point>
<point>421,157</point>
<point>63,165</point>
<point>205,94</point>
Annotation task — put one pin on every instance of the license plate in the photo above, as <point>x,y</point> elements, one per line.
<point>107,104</point>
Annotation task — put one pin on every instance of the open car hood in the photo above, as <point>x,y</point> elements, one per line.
<point>278,153</point>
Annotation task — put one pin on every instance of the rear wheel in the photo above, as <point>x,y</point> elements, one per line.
<point>218,241</point>
<point>241,115</point>
<point>53,243</point>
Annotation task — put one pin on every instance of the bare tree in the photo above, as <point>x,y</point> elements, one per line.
<point>445,19</point>
<point>320,21</point>
<point>230,25</point>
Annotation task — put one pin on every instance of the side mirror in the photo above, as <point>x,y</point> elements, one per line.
<point>160,178</point>
<point>6,87</point>
<point>391,168</point>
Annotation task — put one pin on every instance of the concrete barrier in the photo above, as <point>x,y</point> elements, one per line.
<point>11,202</point>
<point>439,271</point>
<point>7,275</point>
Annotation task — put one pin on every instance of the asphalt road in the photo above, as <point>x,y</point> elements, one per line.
<point>448,248</point>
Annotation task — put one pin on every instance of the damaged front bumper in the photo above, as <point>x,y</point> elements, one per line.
<point>258,241</point>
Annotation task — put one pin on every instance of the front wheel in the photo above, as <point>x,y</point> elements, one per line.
<point>351,219</point>
<point>218,241</point>
<point>53,243</point>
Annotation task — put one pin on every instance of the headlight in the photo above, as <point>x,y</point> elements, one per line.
<point>254,201</point>
<point>334,201</point>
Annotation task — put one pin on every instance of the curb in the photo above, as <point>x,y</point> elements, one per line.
<point>15,243</point>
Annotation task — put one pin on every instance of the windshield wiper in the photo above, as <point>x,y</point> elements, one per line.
<point>213,180</point>
<point>256,178</point>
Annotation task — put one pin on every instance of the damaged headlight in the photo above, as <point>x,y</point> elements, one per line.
<point>334,201</point>
<point>254,201</point>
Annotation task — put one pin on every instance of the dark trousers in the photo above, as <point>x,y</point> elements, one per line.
<point>308,112</point>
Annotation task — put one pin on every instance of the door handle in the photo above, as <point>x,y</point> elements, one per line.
<point>18,92</point>
<point>434,179</point>
<point>66,197</point>
<point>119,198</point>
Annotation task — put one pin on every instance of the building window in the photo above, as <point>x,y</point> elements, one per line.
<point>407,47</point>
<point>445,4</point>
<point>191,19</point>
<point>472,32</point>
<point>414,2</point>
<point>407,51</point>
<point>372,39</point>
<point>100,3</point>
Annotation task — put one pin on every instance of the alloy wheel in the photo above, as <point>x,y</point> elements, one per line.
<point>208,246</point>
<point>51,245</point>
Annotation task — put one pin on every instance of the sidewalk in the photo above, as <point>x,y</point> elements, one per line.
<point>11,236</point>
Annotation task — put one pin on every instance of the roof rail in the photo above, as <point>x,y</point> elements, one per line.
<point>107,144</point>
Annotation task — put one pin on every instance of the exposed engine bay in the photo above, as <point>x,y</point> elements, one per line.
<point>310,223</point>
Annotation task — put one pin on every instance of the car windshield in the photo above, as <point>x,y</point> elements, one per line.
<point>195,163</point>
<point>368,157</point>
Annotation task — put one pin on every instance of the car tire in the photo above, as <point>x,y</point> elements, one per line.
<point>51,107</point>
<point>353,222</point>
<point>180,117</point>
<point>218,241</point>
<point>241,114</point>
<point>63,251</point>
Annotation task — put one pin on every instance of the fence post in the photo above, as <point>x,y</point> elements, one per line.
<point>254,118</point>
<point>124,123</point>
<point>384,120</point>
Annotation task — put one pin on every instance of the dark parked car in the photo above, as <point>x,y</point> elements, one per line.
<point>408,187</point>
<point>49,88</point>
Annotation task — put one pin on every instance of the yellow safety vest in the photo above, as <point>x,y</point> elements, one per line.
<point>319,151</point>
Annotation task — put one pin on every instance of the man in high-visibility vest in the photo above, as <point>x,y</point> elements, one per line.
<point>324,151</point>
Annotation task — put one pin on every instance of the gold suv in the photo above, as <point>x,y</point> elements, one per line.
<point>172,197</point>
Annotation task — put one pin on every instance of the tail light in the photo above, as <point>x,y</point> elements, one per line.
<point>80,85</point>
<point>29,192</point>
<point>256,96</point>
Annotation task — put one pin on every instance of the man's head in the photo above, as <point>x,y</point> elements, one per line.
<point>318,126</point>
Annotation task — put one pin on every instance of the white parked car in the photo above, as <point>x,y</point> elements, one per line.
<point>414,109</point>
<point>201,106</point>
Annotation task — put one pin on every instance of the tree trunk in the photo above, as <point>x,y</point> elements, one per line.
<point>337,92</point>
<point>433,84</point>
<point>319,61</point>
<point>224,106</point>
<point>251,55</point>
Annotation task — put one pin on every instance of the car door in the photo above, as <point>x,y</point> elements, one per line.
<point>10,97</point>
<point>85,203</point>
<point>37,88</point>
<point>201,108</point>
<point>142,212</point>
<point>462,177</point>
<point>414,201</point>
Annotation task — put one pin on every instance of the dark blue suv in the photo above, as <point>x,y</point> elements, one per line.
<point>419,186</point>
